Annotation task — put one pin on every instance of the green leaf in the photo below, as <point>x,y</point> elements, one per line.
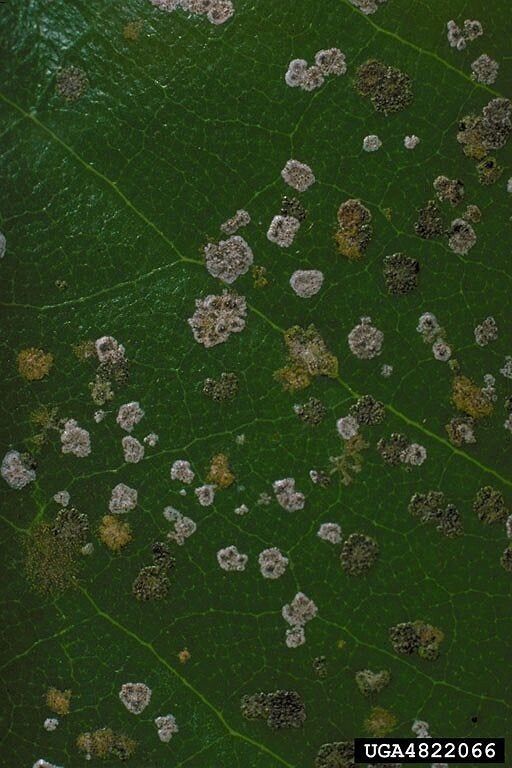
<point>115,195</point>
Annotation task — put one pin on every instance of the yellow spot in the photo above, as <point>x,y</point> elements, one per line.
<point>34,364</point>
<point>380,722</point>
<point>114,533</point>
<point>184,656</point>
<point>131,30</point>
<point>58,701</point>
<point>469,398</point>
<point>220,473</point>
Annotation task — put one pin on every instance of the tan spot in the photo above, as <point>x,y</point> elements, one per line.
<point>34,364</point>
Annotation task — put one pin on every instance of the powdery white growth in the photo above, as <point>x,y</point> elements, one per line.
<point>411,142</point>
<point>347,427</point>
<point>331,61</point>
<point>216,11</point>
<point>217,317</point>
<point>506,371</point>
<point>386,370</point>
<point>414,455</point>
<point>99,416</point>
<point>129,415</point>
<point>282,230</point>
<point>220,11</point>
<point>330,532</point>
<point>441,350</point>
<point>307,282</point>
<point>240,219</point>
<point>489,389</point>
<point>135,697</point>
<point>295,637</point>
<point>3,245</point>
<point>166,5</point>
<point>486,332</point>
<point>313,78</point>
<point>301,610</point>
<point>182,471</point>
<point>43,764</point>
<point>184,527</point>
<point>364,340</point>
<point>122,499</point>
<point>286,494</point>
<point>243,509</point>
<point>508,527</point>
<point>228,259</point>
<point>205,495</point>
<point>421,729</point>
<point>108,350</point>
<point>167,727</point>
<point>295,73</point>
<point>75,440</point>
<point>133,450</point>
<point>472,29</point>
<point>151,439</point>
<point>428,326</point>
<point>15,472</point>
<point>50,724</point>
<point>62,498</point>
<point>230,559</point>
<point>455,35</point>
<point>371,143</point>
<point>462,237</point>
<point>485,70</point>
<point>509,186</point>
<point>298,175</point>
<point>272,563</point>
<point>367,6</point>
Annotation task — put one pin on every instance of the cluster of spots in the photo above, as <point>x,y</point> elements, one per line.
<point>416,637</point>
<point>183,526</point>
<point>287,496</point>
<point>354,231</point>
<point>481,134</point>
<point>182,471</point>
<point>308,357</point>
<point>371,143</point>
<point>280,709</point>
<point>273,563</point>
<point>114,533</point>
<point>485,70</point>
<point>104,744</point>
<point>431,507</point>
<point>330,532</point>
<point>123,499</point>
<point>461,235</point>
<point>365,340</point>
<point>486,332</point>
<point>397,449</point>
<point>371,683</point>
<point>228,259</point>
<point>401,273</point>
<point>242,510</point>
<point>75,439</point>
<point>284,226</point>
<point>52,551</point>
<point>335,754</point>
<point>220,473</point>
<point>432,333</point>
<point>71,83</point>
<point>216,11</point>
<point>306,282</point>
<point>34,364</point>
<point>297,614</point>
<point>380,722</point>
<point>358,554</point>
<point>312,412</point>
<point>329,61</point>
<point>241,219</point>
<point>166,727</point>
<point>217,317</point>
<point>458,38</point>
<point>389,89</point>
<point>230,559</point>
<point>18,470</point>
<point>152,582</point>
<point>135,697</point>
<point>223,389</point>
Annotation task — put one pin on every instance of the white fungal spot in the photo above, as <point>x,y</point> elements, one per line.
<point>205,495</point>
<point>228,259</point>
<point>243,509</point>
<point>441,350</point>
<point>347,427</point>
<point>330,532</point>
<point>296,72</point>
<point>295,637</point>
<point>108,350</point>
<point>62,498</point>
<point>331,61</point>
<point>151,439</point>
<point>135,697</point>
<point>182,471</point>
<point>282,230</point>
<point>230,559</point>
<point>298,175</point>
<point>272,563</point>
<point>41,763</point>
<point>506,371</point>
<point>411,142</point>
<point>75,440</point>
<point>240,219</point>
<point>133,450</point>
<point>123,499</point>
<point>485,70</point>
<point>129,416</point>
<point>183,527</point>
<point>386,370</point>
<point>287,496</point>
<point>15,472</point>
<point>306,282</point>
<point>364,340</point>
<point>3,245</point>
<point>371,143</point>
<point>50,724</point>
<point>217,317</point>
<point>99,416</point>
<point>167,727</point>
<point>414,455</point>
<point>301,610</point>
